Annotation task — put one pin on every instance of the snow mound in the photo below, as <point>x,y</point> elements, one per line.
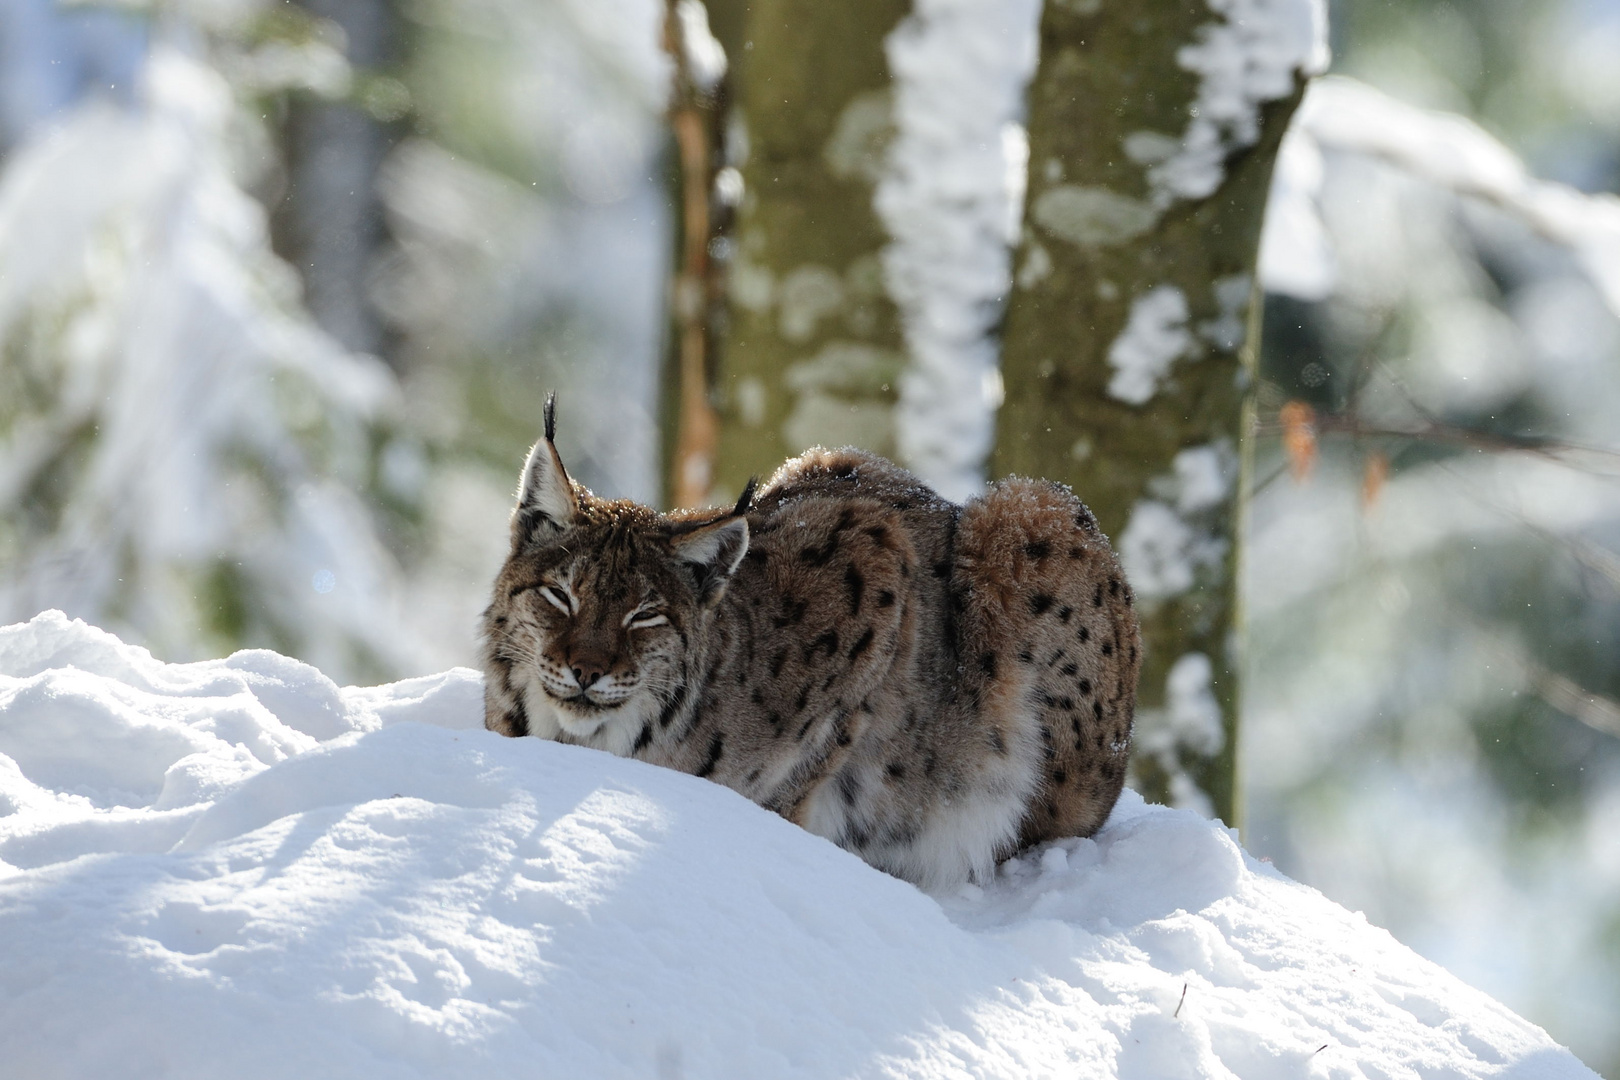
<point>236,868</point>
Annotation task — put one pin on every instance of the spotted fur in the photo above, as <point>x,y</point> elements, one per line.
<point>930,686</point>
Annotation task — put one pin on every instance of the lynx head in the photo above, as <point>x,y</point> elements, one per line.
<point>600,608</point>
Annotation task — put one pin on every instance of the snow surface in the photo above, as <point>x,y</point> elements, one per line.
<point>237,868</point>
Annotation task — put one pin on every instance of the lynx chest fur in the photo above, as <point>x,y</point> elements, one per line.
<point>930,686</point>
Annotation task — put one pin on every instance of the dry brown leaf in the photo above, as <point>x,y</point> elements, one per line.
<point>1374,473</point>
<point>1299,437</point>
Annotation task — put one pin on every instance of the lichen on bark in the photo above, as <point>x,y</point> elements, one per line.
<point>814,346</point>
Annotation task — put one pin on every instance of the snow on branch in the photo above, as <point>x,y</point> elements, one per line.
<point>1452,152</point>
<point>188,444</point>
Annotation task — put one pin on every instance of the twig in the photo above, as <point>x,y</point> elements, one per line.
<point>1600,713</point>
<point>1594,557</point>
<point>1573,700</point>
<point>1441,432</point>
<point>1266,481</point>
<point>1180,1003</point>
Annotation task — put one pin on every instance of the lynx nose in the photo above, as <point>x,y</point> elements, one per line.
<point>590,662</point>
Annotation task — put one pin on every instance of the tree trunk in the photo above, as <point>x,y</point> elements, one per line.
<point>814,346</point>
<point>1130,335</point>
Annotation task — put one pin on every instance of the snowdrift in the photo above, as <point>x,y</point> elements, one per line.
<point>236,868</point>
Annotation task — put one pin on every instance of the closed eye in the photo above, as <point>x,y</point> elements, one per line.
<point>642,618</point>
<point>557,598</point>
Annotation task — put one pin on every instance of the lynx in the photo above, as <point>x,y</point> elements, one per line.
<point>929,686</point>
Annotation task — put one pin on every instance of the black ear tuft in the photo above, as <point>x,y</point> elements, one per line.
<point>746,500</point>
<point>551,416</point>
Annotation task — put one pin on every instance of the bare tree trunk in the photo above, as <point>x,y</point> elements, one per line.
<point>1130,336</point>
<point>814,347</point>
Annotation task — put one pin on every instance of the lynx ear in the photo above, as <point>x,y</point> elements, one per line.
<point>546,501</point>
<point>712,554</point>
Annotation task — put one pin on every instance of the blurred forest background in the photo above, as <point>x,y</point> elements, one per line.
<point>282,286</point>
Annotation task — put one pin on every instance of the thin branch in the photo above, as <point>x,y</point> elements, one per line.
<point>1596,711</point>
<point>1573,700</point>
<point>1595,557</point>
<point>1437,431</point>
<point>1260,485</point>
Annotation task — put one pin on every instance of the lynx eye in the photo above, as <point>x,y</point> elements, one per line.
<point>641,618</point>
<point>557,598</point>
